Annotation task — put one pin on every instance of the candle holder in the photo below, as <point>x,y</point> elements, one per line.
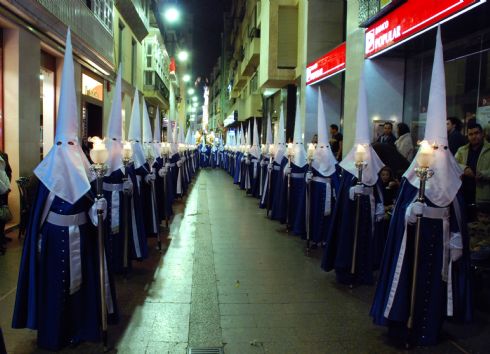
<point>99,156</point>
<point>126,160</point>
<point>425,158</point>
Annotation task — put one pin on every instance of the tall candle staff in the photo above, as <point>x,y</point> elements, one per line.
<point>269,176</point>
<point>288,193</point>
<point>311,151</point>
<point>424,159</point>
<point>360,163</point>
<point>150,159</point>
<point>99,156</point>
<point>164,151</point>
<point>127,154</point>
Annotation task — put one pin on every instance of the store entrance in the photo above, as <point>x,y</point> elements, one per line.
<point>94,119</point>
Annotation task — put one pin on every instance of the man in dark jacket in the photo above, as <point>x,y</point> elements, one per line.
<point>454,136</point>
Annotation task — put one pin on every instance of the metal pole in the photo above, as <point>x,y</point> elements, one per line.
<point>356,225</point>
<point>288,194</point>
<point>307,209</point>
<point>423,174</point>
<point>269,183</point>
<point>100,228</point>
<point>127,215</point>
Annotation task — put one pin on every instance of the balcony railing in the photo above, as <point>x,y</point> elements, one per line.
<point>84,23</point>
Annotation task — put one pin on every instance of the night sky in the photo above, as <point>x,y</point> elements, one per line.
<point>208,25</point>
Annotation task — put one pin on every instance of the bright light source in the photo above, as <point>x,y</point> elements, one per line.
<point>194,98</point>
<point>183,55</point>
<point>191,91</point>
<point>172,14</point>
<point>195,104</point>
<point>186,78</point>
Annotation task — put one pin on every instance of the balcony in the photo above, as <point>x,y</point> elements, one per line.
<point>239,80</point>
<point>134,14</point>
<point>252,57</point>
<point>96,33</point>
<point>155,91</point>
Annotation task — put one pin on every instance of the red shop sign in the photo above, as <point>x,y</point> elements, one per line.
<point>328,65</point>
<point>410,18</point>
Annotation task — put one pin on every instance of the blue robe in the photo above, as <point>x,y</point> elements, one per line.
<point>115,237</point>
<point>431,293</point>
<point>148,201</point>
<point>254,170</point>
<point>238,163</point>
<point>340,237</point>
<point>138,242</point>
<point>174,174</point>
<point>43,299</point>
<point>278,197</point>
<point>319,222</point>
<point>263,181</point>
<point>297,203</point>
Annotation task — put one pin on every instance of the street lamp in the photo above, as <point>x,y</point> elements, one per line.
<point>191,91</point>
<point>183,55</point>
<point>186,78</point>
<point>172,14</point>
<point>194,98</point>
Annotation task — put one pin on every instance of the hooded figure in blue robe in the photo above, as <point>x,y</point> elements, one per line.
<point>322,182</point>
<point>278,177</point>
<point>58,290</point>
<point>443,285</point>
<point>351,255</point>
<point>266,166</point>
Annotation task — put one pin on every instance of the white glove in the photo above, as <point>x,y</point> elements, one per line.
<point>380,212</point>
<point>150,177</point>
<point>358,189</point>
<point>167,165</point>
<point>287,170</point>
<point>99,204</point>
<point>456,246</point>
<point>416,208</point>
<point>247,161</point>
<point>308,177</point>
<point>183,159</point>
<point>128,186</point>
<point>162,172</point>
<point>269,167</point>
<point>179,163</point>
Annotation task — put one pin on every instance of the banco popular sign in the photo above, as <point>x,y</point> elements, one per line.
<point>411,18</point>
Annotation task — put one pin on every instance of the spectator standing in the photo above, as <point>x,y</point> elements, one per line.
<point>474,158</point>
<point>404,143</point>
<point>4,190</point>
<point>454,136</point>
<point>387,137</point>
<point>336,141</point>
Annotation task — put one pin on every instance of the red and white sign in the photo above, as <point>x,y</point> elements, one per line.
<point>328,65</point>
<point>410,18</point>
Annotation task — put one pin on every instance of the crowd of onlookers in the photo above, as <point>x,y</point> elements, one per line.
<point>471,151</point>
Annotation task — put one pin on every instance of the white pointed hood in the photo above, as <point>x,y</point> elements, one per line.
<point>323,160</point>
<point>373,162</point>
<point>281,139</point>
<point>255,150</point>
<point>134,133</point>
<point>268,139</point>
<point>157,133</point>
<point>188,137</point>
<point>65,171</point>
<point>147,134</point>
<point>299,158</point>
<point>114,142</point>
<point>442,188</point>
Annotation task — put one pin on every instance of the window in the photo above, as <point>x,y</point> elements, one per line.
<point>119,44</point>
<point>103,11</point>
<point>133,61</point>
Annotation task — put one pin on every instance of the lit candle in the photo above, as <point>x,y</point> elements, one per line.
<point>127,151</point>
<point>99,153</point>
<point>360,154</point>
<point>425,154</point>
<point>311,150</point>
<point>271,149</point>
<point>264,148</point>
<point>290,149</point>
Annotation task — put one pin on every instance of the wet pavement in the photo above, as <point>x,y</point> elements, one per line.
<point>231,278</point>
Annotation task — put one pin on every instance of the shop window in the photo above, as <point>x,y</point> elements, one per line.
<point>92,87</point>
<point>47,101</point>
<point>467,69</point>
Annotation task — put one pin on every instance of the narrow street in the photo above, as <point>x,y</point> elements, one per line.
<point>230,277</point>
